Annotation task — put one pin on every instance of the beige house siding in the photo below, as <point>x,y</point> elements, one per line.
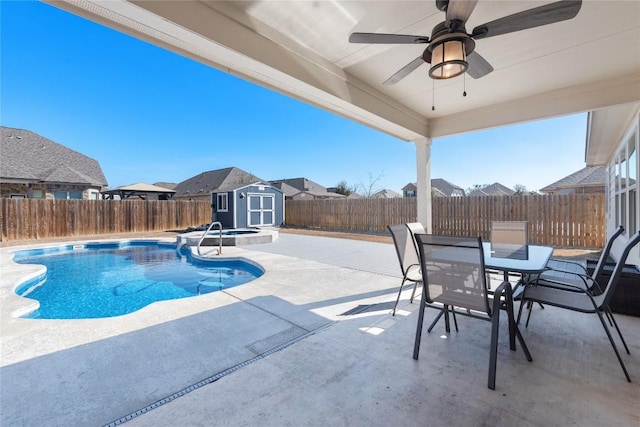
<point>45,190</point>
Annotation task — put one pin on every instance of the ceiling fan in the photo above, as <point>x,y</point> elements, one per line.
<point>451,50</point>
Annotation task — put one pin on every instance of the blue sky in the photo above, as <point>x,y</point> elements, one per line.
<point>149,115</point>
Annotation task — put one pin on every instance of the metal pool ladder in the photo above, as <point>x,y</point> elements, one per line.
<point>219,238</point>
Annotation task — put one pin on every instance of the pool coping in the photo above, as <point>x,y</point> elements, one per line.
<point>15,274</point>
<point>257,236</point>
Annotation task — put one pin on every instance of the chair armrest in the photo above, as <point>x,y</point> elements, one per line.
<point>501,289</point>
<point>584,277</point>
<point>536,282</point>
<point>504,289</point>
<point>566,261</point>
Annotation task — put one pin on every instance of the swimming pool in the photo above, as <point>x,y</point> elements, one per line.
<point>111,279</point>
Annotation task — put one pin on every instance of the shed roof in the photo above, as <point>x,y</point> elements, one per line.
<point>219,180</point>
<point>30,157</point>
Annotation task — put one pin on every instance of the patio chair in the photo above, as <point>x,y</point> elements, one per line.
<point>574,273</point>
<point>510,239</point>
<point>408,258</point>
<point>569,275</point>
<point>453,274</point>
<point>581,300</point>
<point>416,228</point>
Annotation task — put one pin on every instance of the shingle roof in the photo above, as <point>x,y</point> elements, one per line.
<point>219,180</point>
<point>169,185</point>
<point>288,190</point>
<point>495,189</point>
<point>31,157</point>
<point>386,194</point>
<point>439,185</point>
<point>445,186</point>
<point>302,185</point>
<point>589,176</point>
<point>142,187</point>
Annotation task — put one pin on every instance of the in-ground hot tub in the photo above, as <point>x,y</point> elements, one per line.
<point>230,237</point>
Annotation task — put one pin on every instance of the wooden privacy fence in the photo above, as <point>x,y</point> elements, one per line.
<point>37,218</point>
<point>576,220</point>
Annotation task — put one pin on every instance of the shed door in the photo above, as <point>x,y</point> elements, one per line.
<point>261,209</point>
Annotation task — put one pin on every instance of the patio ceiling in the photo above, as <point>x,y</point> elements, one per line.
<point>301,48</point>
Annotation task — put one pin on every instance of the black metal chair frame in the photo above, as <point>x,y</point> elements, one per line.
<point>583,301</point>
<point>590,281</point>
<point>583,281</point>
<point>502,299</point>
<point>394,229</point>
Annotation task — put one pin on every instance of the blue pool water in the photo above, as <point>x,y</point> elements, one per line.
<point>106,280</point>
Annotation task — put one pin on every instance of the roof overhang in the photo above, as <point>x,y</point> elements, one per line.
<point>301,49</point>
<point>605,129</point>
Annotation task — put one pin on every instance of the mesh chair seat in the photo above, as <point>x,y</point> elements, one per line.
<point>571,276</point>
<point>561,298</point>
<point>407,257</point>
<point>582,300</point>
<point>567,274</point>
<point>453,274</point>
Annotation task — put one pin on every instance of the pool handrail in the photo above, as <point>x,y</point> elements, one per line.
<point>219,237</point>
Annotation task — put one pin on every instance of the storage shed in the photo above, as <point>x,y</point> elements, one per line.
<point>254,205</point>
<point>238,198</point>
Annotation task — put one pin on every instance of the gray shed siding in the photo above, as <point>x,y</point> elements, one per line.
<point>239,215</point>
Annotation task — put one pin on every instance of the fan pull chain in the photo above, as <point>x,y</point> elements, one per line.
<point>464,84</point>
<point>433,95</point>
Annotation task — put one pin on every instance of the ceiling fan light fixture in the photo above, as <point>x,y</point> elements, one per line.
<point>448,59</point>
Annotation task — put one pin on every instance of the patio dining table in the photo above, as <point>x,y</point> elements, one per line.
<point>535,262</point>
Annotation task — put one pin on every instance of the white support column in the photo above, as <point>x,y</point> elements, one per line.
<point>423,175</point>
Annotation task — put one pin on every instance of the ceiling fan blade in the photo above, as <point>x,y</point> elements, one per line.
<point>478,66</point>
<point>460,10</point>
<point>404,71</point>
<point>543,15</point>
<point>379,38</point>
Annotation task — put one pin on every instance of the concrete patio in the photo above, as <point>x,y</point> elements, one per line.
<point>312,342</point>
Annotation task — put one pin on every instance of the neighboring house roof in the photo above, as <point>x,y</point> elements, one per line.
<point>287,189</point>
<point>220,180</point>
<point>446,188</point>
<point>478,192</point>
<point>140,187</point>
<point>30,157</point>
<point>302,185</point>
<point>591,176</point>
<point>169,185</point>
<point>495,189</point>
<point>386,194</point>
<point>438,185</point>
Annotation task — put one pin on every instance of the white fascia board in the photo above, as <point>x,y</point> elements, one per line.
<point>199,32</point>
<point>605,129</point>
<point>570,100</point>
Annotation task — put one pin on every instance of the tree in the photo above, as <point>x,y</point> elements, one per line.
<point>476,187</point>
<point>372,187</point>
<point>520,189</point>
<point>345,189</point>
